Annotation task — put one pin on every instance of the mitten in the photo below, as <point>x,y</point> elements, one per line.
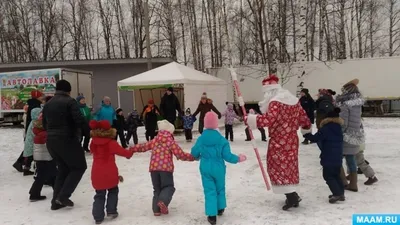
<point>121,179</point>
<point>242,158</point>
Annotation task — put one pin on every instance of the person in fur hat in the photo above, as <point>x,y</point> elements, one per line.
<point>213,150</point>
<point>330,141</point>
<point>105,176</point>
<point>162,148</point>
<point>350,102</point>
<point>188,121</point>
<point>283,115</point>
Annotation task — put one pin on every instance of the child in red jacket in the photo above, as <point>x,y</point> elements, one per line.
<point>46,167</point>
<point>163,147</point>
<point>105,177</point>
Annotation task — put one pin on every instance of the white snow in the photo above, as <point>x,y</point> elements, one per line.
<point>248,200</point>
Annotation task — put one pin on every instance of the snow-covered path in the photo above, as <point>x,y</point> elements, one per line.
<point>248,200</point>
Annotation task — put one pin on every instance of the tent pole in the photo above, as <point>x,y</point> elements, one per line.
<point>119,99</point>
<point>134,100</point>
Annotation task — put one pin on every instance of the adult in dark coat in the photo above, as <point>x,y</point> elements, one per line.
<point>24,164</point>
<point>204,107</point>
<point>150,117</point>
<point>63,120</point>
<point>308,104</point>
<point>169,105</point>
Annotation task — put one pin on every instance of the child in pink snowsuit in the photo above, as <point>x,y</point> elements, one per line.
<point>163,147</point>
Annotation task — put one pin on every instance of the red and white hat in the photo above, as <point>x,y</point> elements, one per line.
<point>271,79</point>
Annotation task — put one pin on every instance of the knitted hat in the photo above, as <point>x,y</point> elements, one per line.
<point>204,95</point>
<point>151,102</point>
<point>63,85</point>
<point>99,125</point>
<point>79,98</point>
<point>165,125</point>
<point>331,92</point>
<point>211,121</point>
<point>170,89</point>
<point>271,79</point>
<point>334,113</point>
<point>118,110</point>
<point>36,94</point>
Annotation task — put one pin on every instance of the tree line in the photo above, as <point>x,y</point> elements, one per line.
<point>196,32</point>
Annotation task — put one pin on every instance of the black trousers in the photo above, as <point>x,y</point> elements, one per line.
<point>71,164</point>
<point>150,134</point>
<point>331,175</point>
<point>201,126</point>
<point>132,133</point>
<point>121,135</point>
<point>85,139</point>
<point>229,132</point>
<point>188,134</point>
<point>46,172</point>
<point>163,188</point>
<point>100,201</point>
<point>262,131</point>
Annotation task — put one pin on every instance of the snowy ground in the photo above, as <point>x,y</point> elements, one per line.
<point>248,200</point>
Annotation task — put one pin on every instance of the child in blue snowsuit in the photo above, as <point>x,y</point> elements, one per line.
<point>188,121</point>
<point>213,150</point>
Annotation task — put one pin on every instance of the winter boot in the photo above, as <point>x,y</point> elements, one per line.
<point>65,202</point>
<point>248,139</point>
<point>212,220</point>
<point>371,180</point>
<point>36,198</point>
<point>112,215</point>
<point>99,221</point>
<point>292,200</point>
<point>334,199</point>
<point>359,171</point>
<point>305,142</point>
<point>163,207</point>
<point>353,183</point>
<point>157,214</point>
<point>18,167</point>
<point>55,206</point>
<point>27,172</point>
<point>264,140</point>
<point>343,177</point>
<point>221,212</point>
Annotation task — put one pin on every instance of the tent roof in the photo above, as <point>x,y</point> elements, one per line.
<point>166,76</point>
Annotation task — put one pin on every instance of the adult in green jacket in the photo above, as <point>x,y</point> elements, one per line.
<point>86,112</point>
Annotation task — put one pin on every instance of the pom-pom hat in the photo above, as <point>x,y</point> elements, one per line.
<point>165,125</point>
<point>99,125</point>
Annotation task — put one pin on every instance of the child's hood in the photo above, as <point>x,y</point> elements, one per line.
<point>35,113</point>
<point>212,138</point>
<point>230,106</point>
<point>330,121</point>
<point>102,137</point>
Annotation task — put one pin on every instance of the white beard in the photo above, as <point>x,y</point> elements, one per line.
<point>275,92</point>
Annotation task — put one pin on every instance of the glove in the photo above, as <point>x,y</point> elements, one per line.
<point>121,179</point>
<point>242,158</point>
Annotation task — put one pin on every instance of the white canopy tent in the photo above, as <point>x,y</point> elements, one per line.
<point>190,82</point>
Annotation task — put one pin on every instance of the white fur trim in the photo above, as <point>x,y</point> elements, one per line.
<point>276,93</point>
<point>284,189</point>
<point>304,131</point>
<point>165,125</point>
<point>241,101</point>
<point>252,121</point>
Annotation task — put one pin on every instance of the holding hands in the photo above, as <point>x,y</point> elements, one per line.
<point>242,158</point>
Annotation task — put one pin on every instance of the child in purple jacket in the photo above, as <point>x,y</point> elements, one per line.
<point>230,117</point>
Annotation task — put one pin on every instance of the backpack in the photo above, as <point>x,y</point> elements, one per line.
<point>325,106</point>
